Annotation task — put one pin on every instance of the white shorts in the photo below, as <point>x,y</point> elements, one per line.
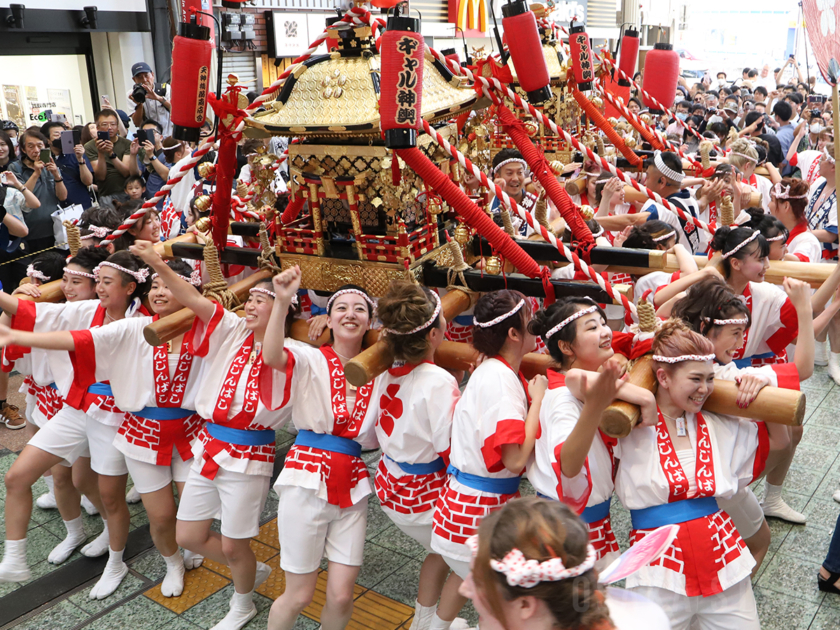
<point>745,511</point>
<point>461,568</point>
<point>310,528</point>
<point>239,496</point>
<point>151,478</point>
<point>733,609</point>
<point>105,458</point>
<point>64,436</point>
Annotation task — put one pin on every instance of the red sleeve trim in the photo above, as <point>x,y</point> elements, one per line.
<point>84,367</point>
<point>762,451</point>
<point>803,257</point>
<point>446,455</point>
<point>23,320</point>
<point>622,343</point>
<point>786,335</point>
<point>578,505</point>
<point>203,348</point>
<point>507,432</point>
<point>267,383</point>
<point>794,160</point>
<point>787,375</point>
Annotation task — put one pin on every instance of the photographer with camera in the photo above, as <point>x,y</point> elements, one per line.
<point>152,99</point>
<point>110,155</point>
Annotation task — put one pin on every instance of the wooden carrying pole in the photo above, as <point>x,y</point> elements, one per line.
<point>773,404</point>
<point>51,291</point>
<point>370,363</point>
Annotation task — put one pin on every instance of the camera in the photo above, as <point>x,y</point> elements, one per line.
<point>138,92</point>
<point>815,113</point>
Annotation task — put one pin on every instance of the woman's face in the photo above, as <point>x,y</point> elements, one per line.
<point>161,299</point>
<point>753,266</point>
<point>349,318</point>
<point>76,288</point>
<point>826,169</point>
<point>111,290</point>
<point>257,311</point>
<point>689,384</point>
<point>590,189</point>
<point>727,339</point>
<point>592,345</point>
<point>4,152</point>
<point>150,230</point>
<point>667,244</point>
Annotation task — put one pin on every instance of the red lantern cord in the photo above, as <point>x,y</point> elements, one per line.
<point>599,121</point>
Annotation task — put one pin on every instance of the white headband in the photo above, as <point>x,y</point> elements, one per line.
<point>664,237</point>
<point>569,320</point>
<point>746,157</point>
<point>508,161</point>
<point>140,275</point>
<point>194,279</point>
<point>500,318</point>
<point>747,240</point>
<point>98,232</point>
<point>272,294</point>
<point>422,326</point>
<point>31,272</point>
<point>780,237</point>
<point>83,274</point>
<point>827,156</point>
<point>685,357</point>
<point>665,170</point>
<point>355,292</point>
<point>783,192</point>
<point>599,233</point>
<point>724,322</point>
<point>519,571</point>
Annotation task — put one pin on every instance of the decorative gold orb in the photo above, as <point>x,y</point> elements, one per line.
<point>532,127</point>
<point>587,212</point>
<point>493,265</point>
<point>461,234</point>
<point>434,205</point>
<point>206,169</point>
<point>598,102</point>
<point>203,224</point>
<point>556,167</point>
<point>612,121</point>
<point>203,203</point>
<point>645,118</point>
<point>630,142</point>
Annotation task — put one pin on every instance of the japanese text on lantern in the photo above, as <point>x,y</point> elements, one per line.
<point>201,101</point>
<point>584,57</point>
<point>406,95</point>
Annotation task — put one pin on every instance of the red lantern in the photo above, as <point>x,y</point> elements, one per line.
<point>191,54</point>
<point>582,62</point>
<point>629,55</point>
<point>662,71</point>
<point>403,50</point>
<point>525,47</point>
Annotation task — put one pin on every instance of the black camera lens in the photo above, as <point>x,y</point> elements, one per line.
<point>138,93</point>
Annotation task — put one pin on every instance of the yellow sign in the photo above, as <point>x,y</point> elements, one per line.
<point>472,14</point>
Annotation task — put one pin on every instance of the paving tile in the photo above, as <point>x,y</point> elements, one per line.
<point>808,543</point>
<point>275,585</point>
<point>779,530</point>
<point>378,564</point>
<point>377,520</point>
<point>130,586</point>
<point>39,543</point>
<point>178,623</point>
<point>822,512</point>
<point>63,615</point>
<point>139,613</point>
<point>372,610</point>
<point>150,565</point>
<point>827,437</point>
<point>268,534</point>
<point>826,619</point>
<point>401,585</point>
<point>210,611</point>
<point>261,621</point>
<point>783,612</point>
<point>792,576</point>
<point>199,584</point>
<point>813,457</point>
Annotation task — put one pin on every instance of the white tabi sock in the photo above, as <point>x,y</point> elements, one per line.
<point>422,616</point>
<point>14,567</point>
<point>47,500</point>
<point>192,560</point>
<point>439,624</point>
<point>99,545</point>
<point>75,537</point>
<point>173,582</point>
<point>242,610</point>
<point>112,577</point>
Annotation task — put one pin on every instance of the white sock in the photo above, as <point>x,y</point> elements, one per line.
<point>112,577</point>
<point>75,537</point>
<point>99,545</point>
<point>50,484</point>
<point>47,500</point>
<point>422,616</point>
<point>242,610</point>
<point>192,560</point>
<point>89,507</point>
<point>173,582</point>
<point>14,567</point>
<point>772,493</point>
<point>439,624</point>
<point>263,571</point>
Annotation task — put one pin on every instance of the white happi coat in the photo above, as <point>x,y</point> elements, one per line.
<point>774,326</point>
<point>804,245</point>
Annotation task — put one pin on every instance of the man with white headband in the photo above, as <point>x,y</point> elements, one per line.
<point>510,171</point>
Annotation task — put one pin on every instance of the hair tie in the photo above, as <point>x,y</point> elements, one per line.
<point>353,291</point>
<point>684,357</point>
<point>31,272</point>
<point>747,240</point>
<point>508,161</point>
<point>141,275</point>
<point>665,169</point>
<point>422,326</point>
<point>569,320</point>
<point>724,322</point>
<point>500,318</point>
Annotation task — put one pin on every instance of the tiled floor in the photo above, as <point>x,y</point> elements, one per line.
<point>786,589</point>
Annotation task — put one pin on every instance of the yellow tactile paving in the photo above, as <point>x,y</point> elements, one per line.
<point>373,610</point>
<point>199,584</point>
<point>261,551</point>
<point>268,534</point>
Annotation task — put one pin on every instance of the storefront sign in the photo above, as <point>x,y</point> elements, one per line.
<point>469,15</point>
<point>290,33</point>
<point>564,12</point>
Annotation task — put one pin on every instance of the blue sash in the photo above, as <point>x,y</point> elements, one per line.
<point>163,413</point>
<point>327,442</point>
<point>747,361</point>
<point>673,513</point>
<point>54,386</point>
<point>485,484</point>
<point>464,320</point>
<point>240,437</point>
<point>426,468</point>
<point>100,389</point>
<point>591,514</point>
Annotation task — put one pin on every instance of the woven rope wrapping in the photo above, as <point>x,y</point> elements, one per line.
<point>217,289</point>
<point>455,273</point>
<point>74,237</point>
<point>727,211</point>
<point>541,210</point>
<point>647,316</point>
<point>266,258</point>
<point>507,224</point>
<point>705,150</point>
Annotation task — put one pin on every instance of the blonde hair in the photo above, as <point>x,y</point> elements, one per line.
<point>744,146</point>
<point>404,307</point>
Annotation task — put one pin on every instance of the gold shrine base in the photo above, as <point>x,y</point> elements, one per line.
<point>328,274</point>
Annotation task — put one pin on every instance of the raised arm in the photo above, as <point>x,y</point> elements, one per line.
<point>286,285</point>
<point>515,456</point>
<point>678,286</point>
<point>58,340</point>
<point>183,291</point>
<point>800,295</point>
